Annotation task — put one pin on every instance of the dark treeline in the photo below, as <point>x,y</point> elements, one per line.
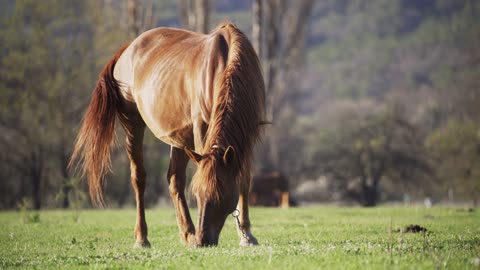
<point>370,101</point>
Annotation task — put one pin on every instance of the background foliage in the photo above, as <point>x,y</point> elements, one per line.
<point>374,100</point>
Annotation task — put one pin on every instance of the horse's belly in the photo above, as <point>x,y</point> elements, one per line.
<point>166,116</point>
<point>176,138</point>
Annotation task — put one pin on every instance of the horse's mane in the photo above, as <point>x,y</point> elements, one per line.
<point>236,116</point>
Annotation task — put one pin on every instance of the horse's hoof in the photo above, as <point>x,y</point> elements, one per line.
<point>251,241</point>
<point>142,244</point>
<point>189,240</point>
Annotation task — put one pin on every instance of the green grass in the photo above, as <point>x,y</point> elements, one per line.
<point>298,238</point>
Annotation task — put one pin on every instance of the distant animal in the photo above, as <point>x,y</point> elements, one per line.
<point>202,94</point>
<point>270,189</point>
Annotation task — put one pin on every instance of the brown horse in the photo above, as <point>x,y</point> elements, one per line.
<point>194,91</point>
<point>270,189</point>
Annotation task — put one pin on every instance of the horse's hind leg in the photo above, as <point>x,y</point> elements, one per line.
<point>135,128</point>
<point>243,228</point>
<point>176,185</point>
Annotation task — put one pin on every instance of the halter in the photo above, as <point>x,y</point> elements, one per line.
<point>236,214</point>
<point>216,146</point>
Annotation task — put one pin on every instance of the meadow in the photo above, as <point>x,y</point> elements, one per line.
<point>314,237</point>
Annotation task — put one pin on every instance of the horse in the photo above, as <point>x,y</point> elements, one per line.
<point>270,189</point>
<point>204,95</point>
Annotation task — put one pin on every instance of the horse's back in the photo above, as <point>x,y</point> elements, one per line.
<point>270,182</point>
<point>150,49</point>
<point>171,75</point>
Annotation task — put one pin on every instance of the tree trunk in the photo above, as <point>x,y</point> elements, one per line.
<point>148,16</point>
<point>66,189</point>
<point>36,164</point>
<point>370,191</point>
<point>132,18</point>
<point>66,179</point>
<point>281,47</point>
<point>194,14</point>
<point>272,39</point>
<point>257,26</point>
<point>369,196</point>
<point>36,196</point>
<point>272,36</point>
<point>202,16</point>
<point>140,19</point>
<point>184,12</point>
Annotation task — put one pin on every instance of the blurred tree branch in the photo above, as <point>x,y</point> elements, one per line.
<point>195,14</point>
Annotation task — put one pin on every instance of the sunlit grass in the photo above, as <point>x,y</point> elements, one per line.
<point>297,238</point>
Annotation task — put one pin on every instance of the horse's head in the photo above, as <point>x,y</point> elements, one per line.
<point>216,190</point>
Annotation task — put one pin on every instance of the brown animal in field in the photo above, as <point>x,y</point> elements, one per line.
<point>202,94</point>
<point>270,189</point>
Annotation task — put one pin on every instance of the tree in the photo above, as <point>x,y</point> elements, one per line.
<point>284,27</point>
<point>141,16</point>
<point>257,27</point>
<point>369,149</point>
<point>456,150</point>
<point>195,14</point>
<point>320,60</point>
<point>44,64</point>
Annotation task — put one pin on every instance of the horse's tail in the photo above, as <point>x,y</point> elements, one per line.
<point>92,147</point>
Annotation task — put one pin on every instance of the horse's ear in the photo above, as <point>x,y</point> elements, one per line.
<point>229,155</point>
<point>195,157</point>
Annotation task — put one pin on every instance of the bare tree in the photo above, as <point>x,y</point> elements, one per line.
<point>202,16</point>
<point>366,150</point>
<point>133,27</point>
<point>257,26</point>
<point>285,31</point>
<point>141,16</point>
<point>186,14</point>
<point>194,14</point>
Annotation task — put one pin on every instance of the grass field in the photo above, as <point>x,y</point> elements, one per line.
<point>316,237</point>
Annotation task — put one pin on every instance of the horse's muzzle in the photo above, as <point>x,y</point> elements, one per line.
<point>207,239</point>
<point>210,224</point>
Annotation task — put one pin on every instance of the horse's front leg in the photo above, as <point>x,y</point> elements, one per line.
<point>176,185</point>
<point>243,224</point>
